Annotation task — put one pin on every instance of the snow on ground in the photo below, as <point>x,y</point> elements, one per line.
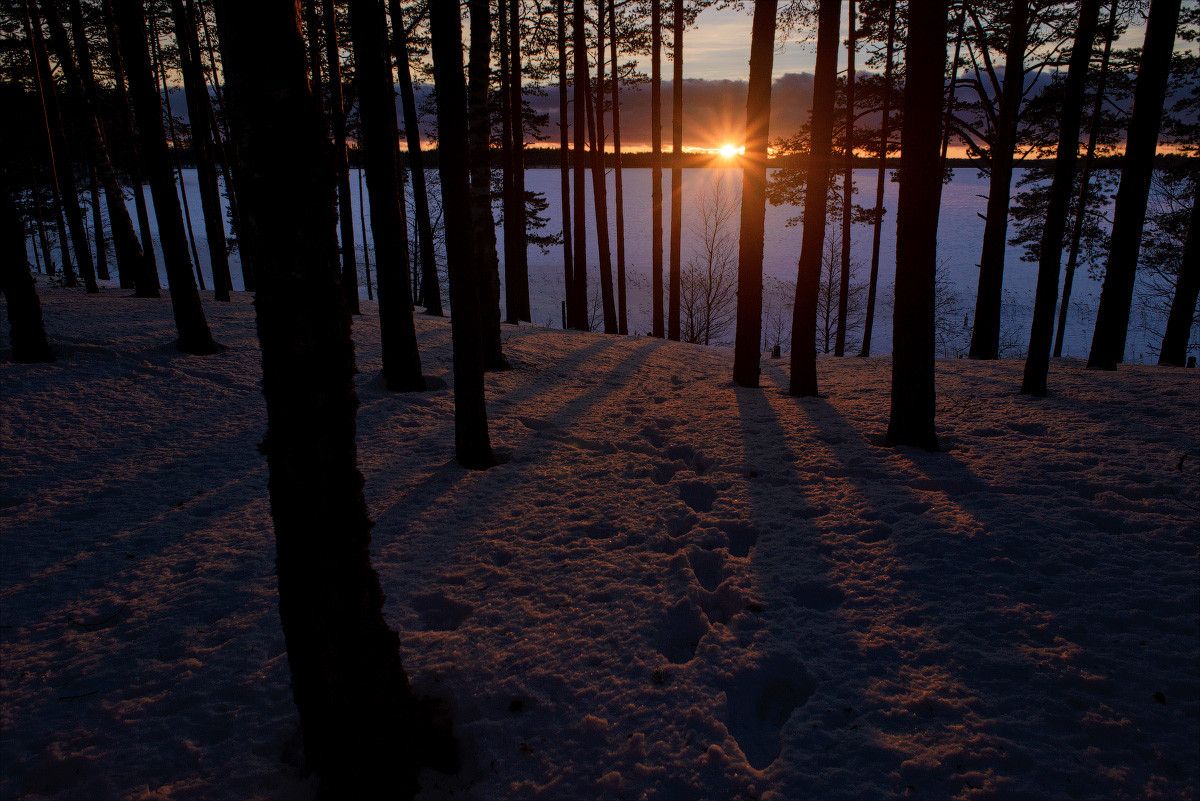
<point>673,589</point>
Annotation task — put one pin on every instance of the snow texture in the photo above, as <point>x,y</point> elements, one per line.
<point>673,589</point>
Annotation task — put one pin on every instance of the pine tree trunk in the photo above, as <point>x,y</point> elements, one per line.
<point>362,227</point>
<point>363,732</point>
<point>479,70</point>
<point>377,108</point>
<point>839,347</point>
<point>580,89</point>
<point>947,122</point>
<point>200,115</point>
<point>656,193</point>
<point>673,283</point>
<point>27,334</point>
<point>747,343</point>
<point>516,257</point>
<point>816,192</point>
<point>1070,110</point>
<point>431,290</point>
<point>471,443</point>
<point>885,134</point>
<point>1183,306</point>
<point>337,119</point>
<point>914,400</point>
<point>622,312</point>
<point>1129,210</point>
<point>194,336</point>
<point>564,167</point>
<point>595,100</point>
<point>985,333</point>
<point>99,240</point>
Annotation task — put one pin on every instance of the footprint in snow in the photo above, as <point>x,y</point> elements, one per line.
<point>817,595</point>
<point>708,567</point>
<point>699,495</point>
<point>761,700</point>
<point>681,631</point>
<point>742,536</point>
<point>439,613</point>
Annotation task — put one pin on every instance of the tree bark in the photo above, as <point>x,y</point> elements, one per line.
<point>580,90</point>
<point>885,134</point>
<point>564,167</point>
<point>1183,306</point>
<point>748,339</point>
<point>194,336</point>
<point>385,187</point>
<point>595,100</point>
<point>516,257</point>
<point>816,192</point>
<point>1137,169</point>
<point>99,240</point>
<point>839,347</point>
<point>1037,360</point>
<point>914,401</point>
<point>337,121</point>
<point>472,445</point>
<point>622,312</point>
<point>673,284</point>
<point>27,334</point>
<point>656,193</point>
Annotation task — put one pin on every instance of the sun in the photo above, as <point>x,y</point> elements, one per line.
<point>730,150</point>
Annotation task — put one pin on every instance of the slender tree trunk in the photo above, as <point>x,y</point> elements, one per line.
<point>363,730</point>
<point>377,108</point>
<point>516,257</point>
<point>98,239</point>
<point>580,90</point>
<point>985,334</point>
<point>953,87</point>
<point>1129,210</point>
<point>362,227</point>
<point>673,284</point>
<point>885,134</point>
<point>43,240</point>
<point>622,312</point>
<point>200,115</point>
<point>1183,306</point>
<point>337,120</point>
<point>479,120</point>
<point>60,224</point>
<point>312,26</point>
<point>471,443</point>
<point>564,167</point>
<point>431,290</point>
<point>194,336</point>
<point>748,338</point>
<point>27,334</point>
<point>1070,109</point>
<point>816,192</point>
<point>63,161</point>
<point>839,347</point>
<point>914,399</point>
<point>599,179</point>
<point>656,193</point>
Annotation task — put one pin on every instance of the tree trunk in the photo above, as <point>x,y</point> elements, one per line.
<point>950,93</point>
<point>471,443</point>
<point>595,100</point>
<point>377,109</point>
<point>61,155</point>
<point>200,115</point>
<point>885,134</point>
<point>431,290</point>
<point>1129,210</point>
<point>1070,110</point>
<point>839,347</point>
<point>98,239</point>
<point>27,334</point>
<point>754,197</point>
<point>564,167</point>
<point>622,312</point>
<point>363,732</point>
<point>1183,306</point>
<point>1085,180</point>
<point>816,192</point>
<point>673,284</point>
<point>656,193</point>
<point>914,400</point>
<point>516,258</point>
<point>479,120</point>
<point>362,227</point>
<point>580,89</point>
<point>337,120</point>
<point>985,334</point>
<point>194,336</point>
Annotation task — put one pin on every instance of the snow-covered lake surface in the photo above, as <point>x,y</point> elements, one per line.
<point>673,589</point>
<point>960,238</point>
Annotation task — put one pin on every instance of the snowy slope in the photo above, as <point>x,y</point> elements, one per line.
<point>672,590</point>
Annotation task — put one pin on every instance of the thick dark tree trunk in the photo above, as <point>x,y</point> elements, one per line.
<point>622,312</point>
<point>1085,180</point>
<point>337,121</point>
<point>885,133</point>
<point>363,732</point>
<point>431,289</point>
<point>673,283</point>
<point>385,187</point>
<point>194,336</point>
<point>816,192</point>
<point>985,333</point>
<point>1129,210</point>
<point>1070,111</point>
<point>564,167</point>
<point>747,344</point>
<point>839,347</point>
<point>914,400</point>
<point>516,257</point>
<point>200,115</point>
<point>479,70</point>
<point>595,100</point>
<point>471,443</point>
<point>1187,288</point>
<point>580,94</point>
<point>61,155</point>
<point>656,193</point>
<point>26,333</point>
